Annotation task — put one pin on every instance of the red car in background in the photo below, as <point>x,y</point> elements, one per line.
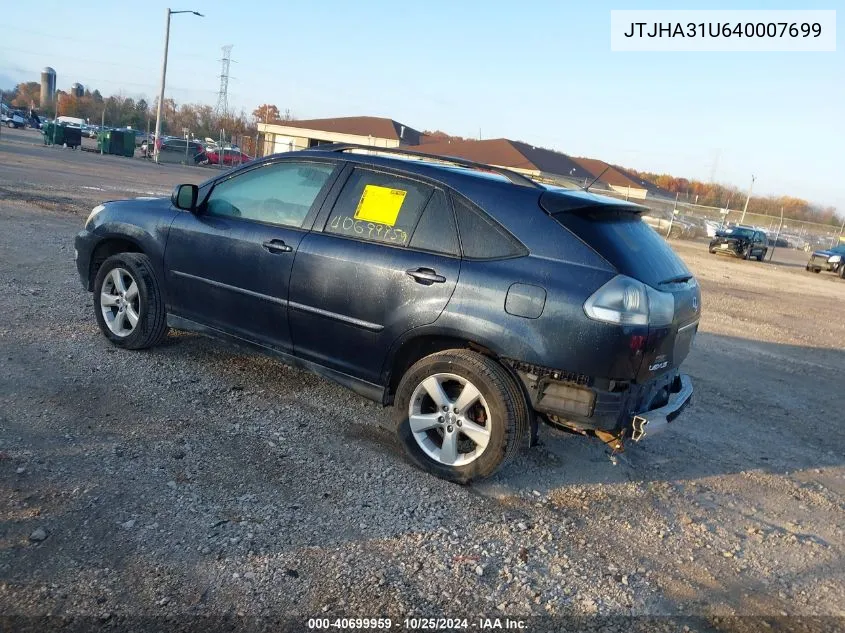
<point>217,156</point>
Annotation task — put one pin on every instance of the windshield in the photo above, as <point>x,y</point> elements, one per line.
<point>735,232</point>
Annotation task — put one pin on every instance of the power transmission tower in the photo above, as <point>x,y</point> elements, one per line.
<point>223,95</point>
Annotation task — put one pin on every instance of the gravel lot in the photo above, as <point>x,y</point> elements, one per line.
<point>146,490</point>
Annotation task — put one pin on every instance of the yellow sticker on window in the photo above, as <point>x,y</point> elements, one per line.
<point>380,204</point>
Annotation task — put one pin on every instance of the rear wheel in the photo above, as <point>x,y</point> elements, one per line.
<point>459,415</point>
<point>762,255</point>
<point>842,271</point>
<point>128,303</point>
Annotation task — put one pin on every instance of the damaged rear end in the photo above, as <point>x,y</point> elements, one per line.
<point>652,305</point>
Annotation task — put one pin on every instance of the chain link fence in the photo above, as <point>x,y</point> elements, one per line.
<point>702,221</point>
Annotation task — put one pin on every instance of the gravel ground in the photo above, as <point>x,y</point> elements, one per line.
<point>199,485</point>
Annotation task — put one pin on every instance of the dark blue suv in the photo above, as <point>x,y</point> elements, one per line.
<point>472,299</point>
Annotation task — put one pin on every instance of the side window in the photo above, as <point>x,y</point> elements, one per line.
<point>481,238</point>
<point>436,231</point>
<point>278,193</point>
<point>378,207</point>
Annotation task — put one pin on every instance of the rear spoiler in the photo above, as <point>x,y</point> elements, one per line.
<point>553,202</point>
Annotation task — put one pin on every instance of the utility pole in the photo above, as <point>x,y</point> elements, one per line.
<point>745,208</point>
<point>163,76</point>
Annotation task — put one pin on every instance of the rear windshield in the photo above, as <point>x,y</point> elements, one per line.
<point>623,239</point>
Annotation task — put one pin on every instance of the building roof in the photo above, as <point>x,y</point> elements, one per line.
<point>653,190</point>
<point>611,175</point>
<point>514,154</point>
<point>496,151</point>
<point>374,126</point>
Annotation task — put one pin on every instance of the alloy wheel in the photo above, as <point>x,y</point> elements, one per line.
<point>449,419</point>
<point>120,302</point>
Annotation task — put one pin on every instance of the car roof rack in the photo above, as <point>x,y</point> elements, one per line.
<point>514,177</point>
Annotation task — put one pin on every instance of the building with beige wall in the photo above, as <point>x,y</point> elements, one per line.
<point>288,136</point>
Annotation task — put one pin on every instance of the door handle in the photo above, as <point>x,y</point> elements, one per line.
<point>277,246</point>
<point>426,276</point>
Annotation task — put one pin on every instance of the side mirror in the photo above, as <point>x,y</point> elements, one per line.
<point>185,197</point>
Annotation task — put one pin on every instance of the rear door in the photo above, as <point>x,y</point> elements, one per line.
<point>385,261</point>
<point>228,265</point>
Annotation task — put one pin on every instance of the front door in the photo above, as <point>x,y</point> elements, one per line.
<point>387,260</point>
<point>228,265</point>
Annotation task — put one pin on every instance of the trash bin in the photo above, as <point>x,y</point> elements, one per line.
<point>54,134</point>
<point>117,142</point>
<point>72,136</point>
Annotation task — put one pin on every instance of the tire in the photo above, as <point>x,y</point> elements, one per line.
<point>762,255</point>
<point>747,254</point>
<point>842,271</point>
<point>500,404</point>
<point>147,303</point>
<point>817,270</point>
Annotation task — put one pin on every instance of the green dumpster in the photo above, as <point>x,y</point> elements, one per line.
<point>117,142</point>
<point>54,134</point>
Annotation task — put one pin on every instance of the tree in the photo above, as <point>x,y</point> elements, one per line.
<point>267,113</point>
<point>27,94</point>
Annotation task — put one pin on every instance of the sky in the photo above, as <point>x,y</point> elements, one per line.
<point>538,71</point>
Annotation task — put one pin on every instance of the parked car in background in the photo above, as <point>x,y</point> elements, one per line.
<point>226,156</point>
<point>777,241</point>
<point>697,226</point>
<point>711,226</point>
<point>178,150</point>
<point>795,241</point>
<point>740,241</point>
<point>469,297</point>
<point>830,260</point>
<point>13,119</point>
<point>661,222</point>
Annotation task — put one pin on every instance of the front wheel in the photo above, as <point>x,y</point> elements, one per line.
<point>128,302</point>
<point>460,415</point>
<point>842,271</point>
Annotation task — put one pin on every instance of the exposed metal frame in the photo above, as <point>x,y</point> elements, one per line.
<point>512,176</point>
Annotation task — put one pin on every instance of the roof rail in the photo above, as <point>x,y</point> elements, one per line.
<point>512,176</point>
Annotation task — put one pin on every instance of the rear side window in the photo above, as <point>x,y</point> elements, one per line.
<point>627,242</point>
<point>436,230</point>
<point>378,207</point>
<point>481,237</point>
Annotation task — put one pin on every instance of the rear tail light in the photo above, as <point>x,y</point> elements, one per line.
<point>626,301</point>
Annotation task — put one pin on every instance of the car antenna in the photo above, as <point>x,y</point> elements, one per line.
<point>587,188</point>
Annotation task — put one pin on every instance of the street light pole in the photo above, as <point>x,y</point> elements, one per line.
<point>745,208</point>
<point>160,107</point>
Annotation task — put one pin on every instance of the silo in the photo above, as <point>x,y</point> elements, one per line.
<point>77,90</point>
<point>48,86</point>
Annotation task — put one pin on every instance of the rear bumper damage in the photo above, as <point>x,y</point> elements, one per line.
<point>606,407</point>
<point>650,423</point>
